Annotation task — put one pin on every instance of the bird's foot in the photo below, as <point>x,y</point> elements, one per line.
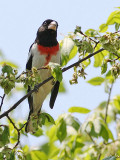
<point>36,88</point>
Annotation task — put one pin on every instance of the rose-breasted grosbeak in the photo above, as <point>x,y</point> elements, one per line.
<point>45,49</point>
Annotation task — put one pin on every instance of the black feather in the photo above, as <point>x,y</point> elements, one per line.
<point>54,94</point>
<point>29,63</point>
<point>30,98</point>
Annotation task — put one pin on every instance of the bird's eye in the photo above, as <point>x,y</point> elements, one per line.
<point>45,23</point>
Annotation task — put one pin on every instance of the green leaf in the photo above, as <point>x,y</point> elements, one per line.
<point>4,136</point>
<point>117,26</point>
<point>91,32</point>
<point>78,110</point>
<point>116,101</point>
<point>96,81</point>
<point>68,50</point>
<point>38,133</point>
<point>110,158</point>
<point>77,144</point>
<point>9,63</point>
<point>7,69</point>
<point>72,121</point>
<point>104,67</point>
<point>61,130</point>
<point>49,118</point>
<point>91,129</point>
<point>12,155</point>
<point>38,155</point>
<point>73,53</point>
<point>62,88</point>
<point>103,28</point>
<point>56,71</point>
<point>51,134</point>
<point>1,155</point>
<point>98,58</point>
<point>44,116</point>
<point>114,18</point>
<point>105,131</point>
<point>25,149</point>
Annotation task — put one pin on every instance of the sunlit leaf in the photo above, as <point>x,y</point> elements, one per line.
<point>62,88</point>
<point>38,133</point>
<point>25,149</point>
<point>61,130</point>
<point>104,67</point>
<point>114,18</point>
<point>98,58</point>
<point>56,71</point>
<point>116,101</point>
<point>91,32</point>
<point>38,155</point>
<point>96,81</point>
<point>103,28</point>
<point>79,110</point>
<point>9,63</point>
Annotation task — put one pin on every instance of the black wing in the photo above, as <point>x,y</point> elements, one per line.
<point>54,94</point>
<point>29,63</point>
<point>30,98</point>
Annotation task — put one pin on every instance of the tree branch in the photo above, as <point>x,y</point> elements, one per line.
<point>45,81</point>
<point>106,111</point>
<point>2,99</point>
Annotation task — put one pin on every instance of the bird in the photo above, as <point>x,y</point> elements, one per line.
<point>45,49</point>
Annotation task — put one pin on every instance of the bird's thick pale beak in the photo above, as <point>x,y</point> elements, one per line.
<point>52,25</point>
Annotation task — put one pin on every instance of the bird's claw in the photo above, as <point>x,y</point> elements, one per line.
<point>36,88</point>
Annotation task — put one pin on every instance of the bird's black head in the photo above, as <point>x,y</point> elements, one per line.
<point>47,33</point>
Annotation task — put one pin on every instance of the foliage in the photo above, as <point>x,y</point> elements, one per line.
<point>68,138</point>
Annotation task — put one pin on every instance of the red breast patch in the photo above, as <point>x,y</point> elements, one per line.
<point>48,51</point>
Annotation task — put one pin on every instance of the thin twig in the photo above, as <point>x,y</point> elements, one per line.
<point>18,131</point>
<point>30,71</point>
<point>91,138</point>
<point>2,99</point>
<point>116,55</point>
<point>106,111</point>
<point>23,126</point>
<point>117,140</point>
<point>3,125</point>
<point>45,81</point>
<point>99,156</point>
<point>81,60</point>
<point>88,37</point>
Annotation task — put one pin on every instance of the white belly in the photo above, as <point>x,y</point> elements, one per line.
<point>38,61</point>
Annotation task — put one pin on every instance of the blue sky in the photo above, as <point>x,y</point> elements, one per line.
<point>19,23</point>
